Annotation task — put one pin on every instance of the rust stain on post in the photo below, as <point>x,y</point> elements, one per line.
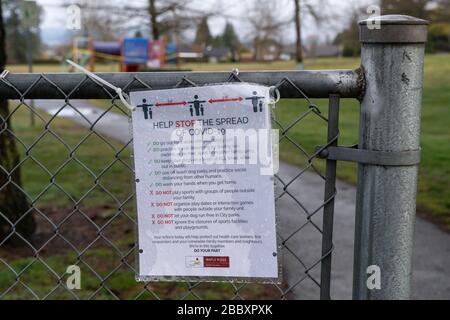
<point>361,83</point>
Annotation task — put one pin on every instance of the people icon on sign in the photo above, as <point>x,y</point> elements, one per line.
<point>196,107</point>
<point>256,102</point>
<point>146,108</point>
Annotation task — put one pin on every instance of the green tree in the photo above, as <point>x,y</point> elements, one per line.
<point>441,12</point>
<point>415,8</point>
<point>18,34</point>
<point>436,11</point>
<point>439,31</point>
<point>203,36</point>
<point>230,39</point>
<point>14,208</point>
<point>349,38</point>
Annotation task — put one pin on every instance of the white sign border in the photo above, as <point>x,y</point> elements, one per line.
<point>208,279</point>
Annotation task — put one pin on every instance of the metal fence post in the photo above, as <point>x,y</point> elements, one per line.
<point>392,60</point>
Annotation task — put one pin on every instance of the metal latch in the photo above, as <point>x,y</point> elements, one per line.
<point>380,158</point>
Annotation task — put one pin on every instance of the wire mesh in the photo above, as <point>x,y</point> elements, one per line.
<point>74,173</point>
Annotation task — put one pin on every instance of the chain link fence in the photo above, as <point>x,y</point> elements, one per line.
<point>74,172</point>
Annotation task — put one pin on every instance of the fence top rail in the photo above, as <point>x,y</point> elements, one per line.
<point>314,84</point>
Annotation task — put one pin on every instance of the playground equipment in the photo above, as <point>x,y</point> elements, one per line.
<point>130,53</point>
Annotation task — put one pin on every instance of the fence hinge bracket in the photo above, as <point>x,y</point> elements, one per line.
<point>380,158</point>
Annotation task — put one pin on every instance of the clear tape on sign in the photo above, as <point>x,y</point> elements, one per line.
<point>122,95</point>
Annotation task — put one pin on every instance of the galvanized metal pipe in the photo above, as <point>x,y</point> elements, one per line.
<point>392,60</point>
<point>315,84</point>
<point>330,192</point>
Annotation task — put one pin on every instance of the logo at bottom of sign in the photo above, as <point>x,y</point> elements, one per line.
<point>207,262</point>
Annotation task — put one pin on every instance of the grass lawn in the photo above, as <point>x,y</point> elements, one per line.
<point>86,191</point>
<point>433,198</point>
<point>56,68</point>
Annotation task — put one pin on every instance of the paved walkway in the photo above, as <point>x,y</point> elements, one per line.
<point>431,277</point>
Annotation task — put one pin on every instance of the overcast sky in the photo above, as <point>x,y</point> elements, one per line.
<point>235,11</point>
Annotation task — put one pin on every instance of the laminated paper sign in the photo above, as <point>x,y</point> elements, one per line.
<point>204,182</point>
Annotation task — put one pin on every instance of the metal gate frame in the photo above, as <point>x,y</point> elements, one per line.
<point>389,86</point>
